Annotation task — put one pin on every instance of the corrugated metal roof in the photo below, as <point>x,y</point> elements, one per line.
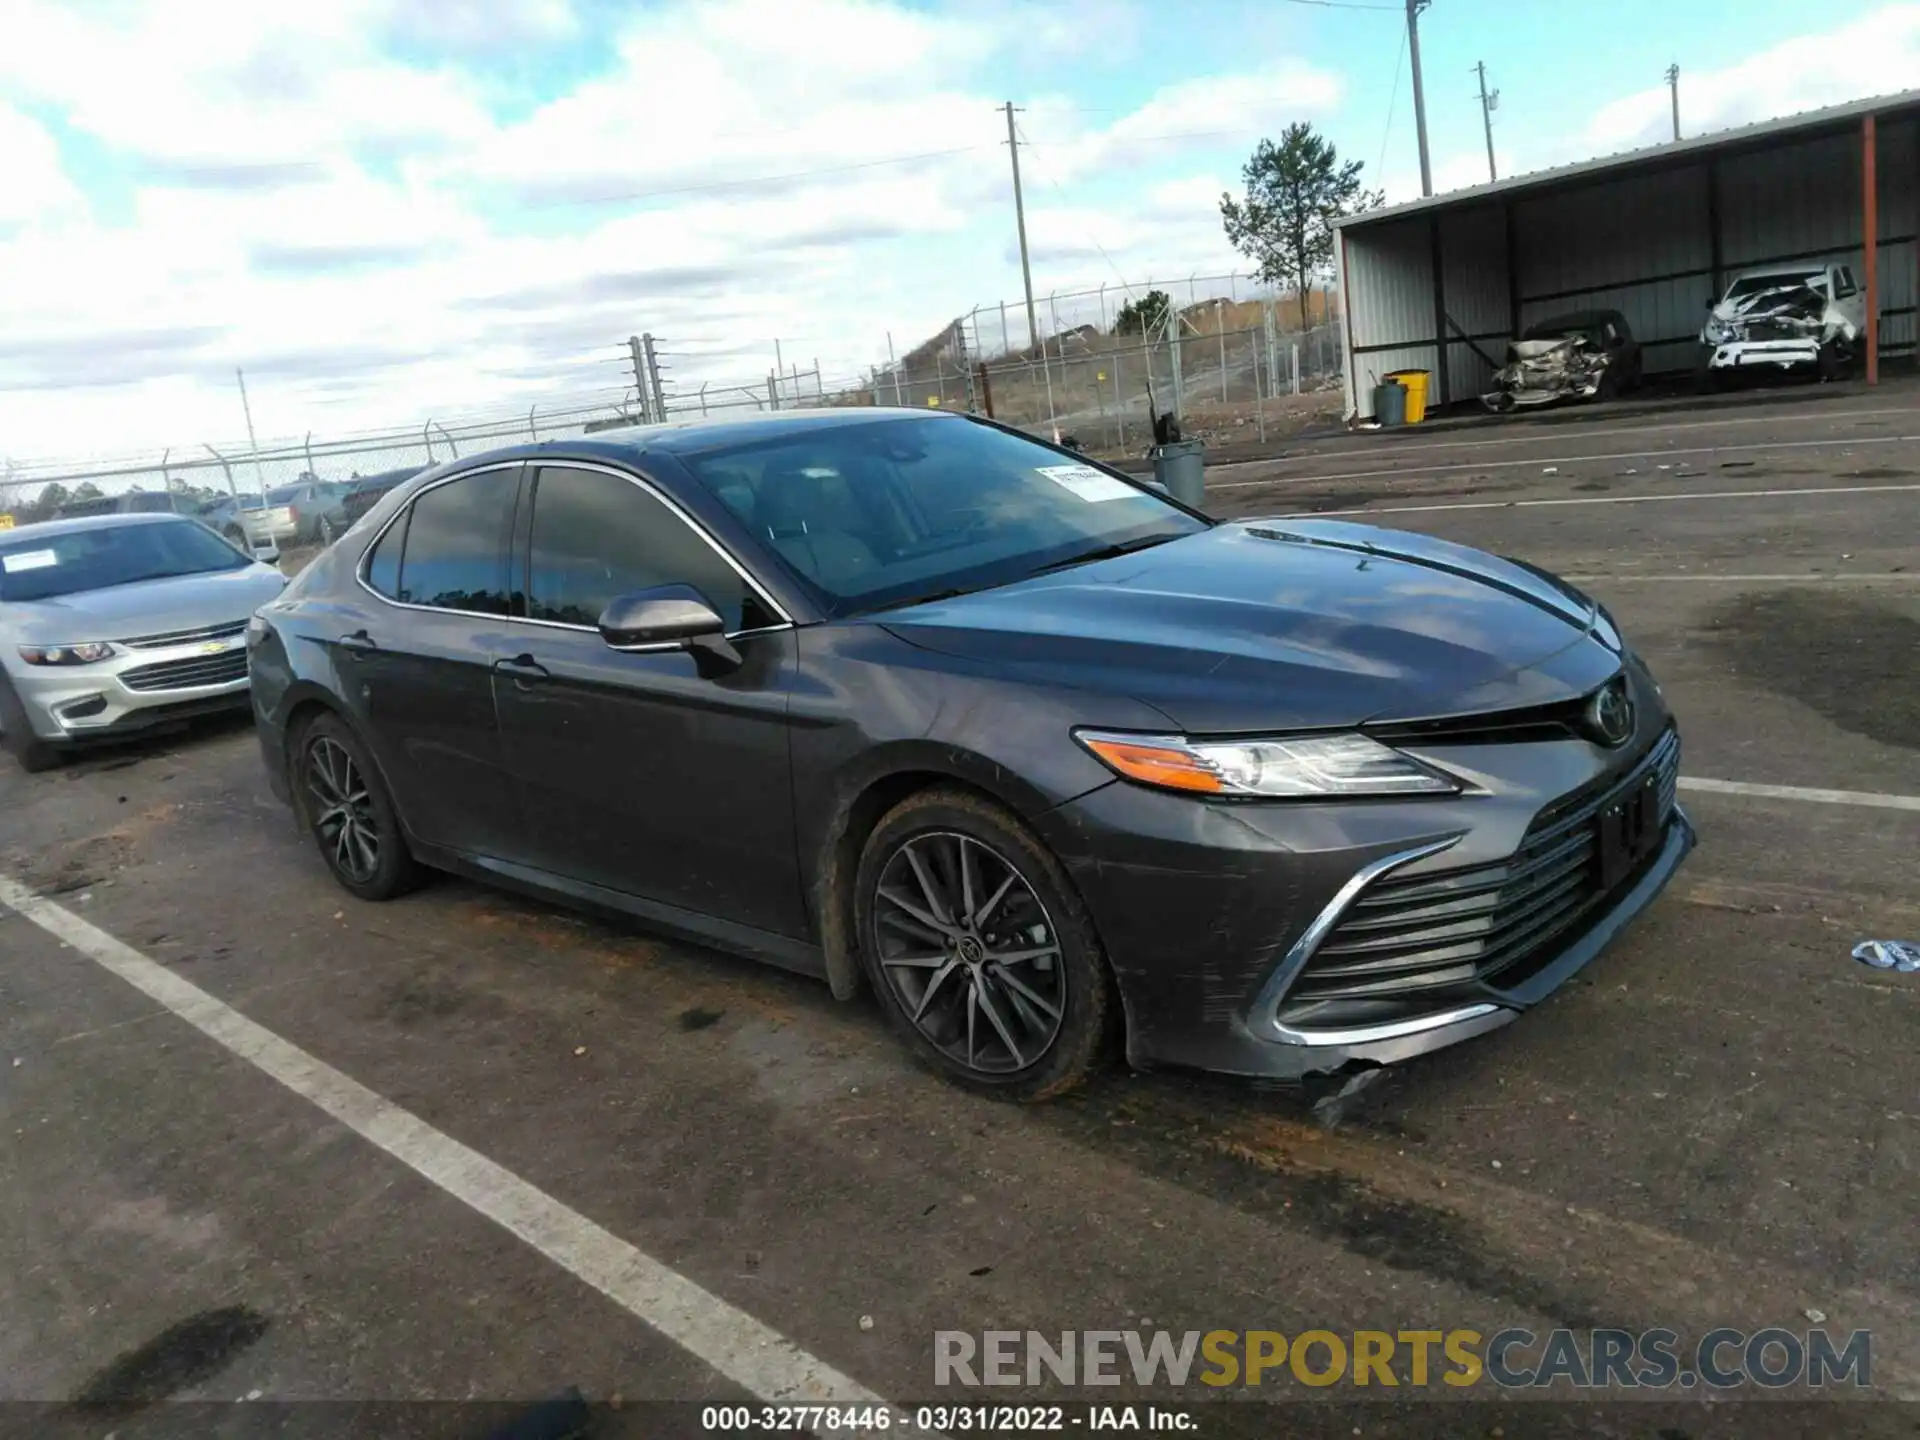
<point>1631,159</point>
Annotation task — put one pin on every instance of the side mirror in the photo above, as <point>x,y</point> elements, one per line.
<point>669,617</point>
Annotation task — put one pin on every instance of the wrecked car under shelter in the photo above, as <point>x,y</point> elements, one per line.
<point>1446,284</point>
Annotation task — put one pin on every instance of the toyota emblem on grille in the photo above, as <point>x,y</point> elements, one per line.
<point>1610,713</point>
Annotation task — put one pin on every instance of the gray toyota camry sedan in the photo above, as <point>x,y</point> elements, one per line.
<point>113,624</point>
<point>1035,754</point>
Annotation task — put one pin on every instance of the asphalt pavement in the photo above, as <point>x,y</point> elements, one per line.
<point>464,1147</point>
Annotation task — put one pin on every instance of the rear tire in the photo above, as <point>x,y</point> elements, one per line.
<point>1008,994</point>
<point>34,755</point>
<point>343,804</point>
<point>326,531</point>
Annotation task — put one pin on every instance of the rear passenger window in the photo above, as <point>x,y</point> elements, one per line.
<point>383,565</point>
<point>455,556</point>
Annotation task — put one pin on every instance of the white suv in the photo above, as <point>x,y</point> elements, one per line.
<point>1781,316</point>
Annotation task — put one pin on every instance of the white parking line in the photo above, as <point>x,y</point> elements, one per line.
<point>1592,500</point>
<point>1870,798</point>
<point>1596,431</point>
<point>1416,470</point>
<point>750,1354</point>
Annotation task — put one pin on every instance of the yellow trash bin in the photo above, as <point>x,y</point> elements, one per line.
<point>1416,383</point>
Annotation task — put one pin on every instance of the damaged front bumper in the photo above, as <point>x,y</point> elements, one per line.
<point>1500,400</point>
<point>1777,354</point>
<point>1289,941</point>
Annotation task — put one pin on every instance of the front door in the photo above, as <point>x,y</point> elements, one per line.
<point>635,771</point>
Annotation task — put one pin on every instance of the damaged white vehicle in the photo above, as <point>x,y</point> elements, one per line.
<point>1571,357</point>
<point>1784,316</point>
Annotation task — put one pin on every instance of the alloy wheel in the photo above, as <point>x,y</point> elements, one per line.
<point>970,952</point>
<point>343,815</point>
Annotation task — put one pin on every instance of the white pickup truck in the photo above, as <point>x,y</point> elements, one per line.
<point>1782,316</point>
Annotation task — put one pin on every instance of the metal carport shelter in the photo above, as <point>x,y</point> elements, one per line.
<point>1441,284</point>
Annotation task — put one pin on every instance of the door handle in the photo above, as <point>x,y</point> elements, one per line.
<point>524,669</point>
<point>358,641</point>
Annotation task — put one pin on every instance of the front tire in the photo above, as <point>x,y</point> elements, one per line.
<point>34,755</point>
<point>345,807</point>
<point>979,949</point>
<point>326,531</point>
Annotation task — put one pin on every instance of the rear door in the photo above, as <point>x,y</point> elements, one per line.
<point>417,662</point>
<point>635,771</point>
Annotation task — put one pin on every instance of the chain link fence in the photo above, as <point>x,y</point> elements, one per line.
<point>1228,370</point>
<point>33,491</point>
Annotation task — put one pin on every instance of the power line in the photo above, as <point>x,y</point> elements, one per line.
<point>1125,284</point>
<point>1393,97</point>
<point>1343,5</point>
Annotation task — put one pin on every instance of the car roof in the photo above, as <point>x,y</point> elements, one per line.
<point>98,522</point>
<point>693,437</point>
<point>689,438</point>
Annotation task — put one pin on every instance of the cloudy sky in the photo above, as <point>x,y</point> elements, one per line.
<point>390,209</point>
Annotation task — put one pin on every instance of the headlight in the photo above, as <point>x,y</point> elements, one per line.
<point>83,654</point>
<point>1305,765</point>
<point>1717,332</point>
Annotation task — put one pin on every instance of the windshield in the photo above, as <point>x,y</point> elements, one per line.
<point>886,513</point>
<point>37,566</point>
<point>1755,284</point>
<point>285,494</point>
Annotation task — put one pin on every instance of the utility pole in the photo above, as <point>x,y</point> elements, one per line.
<point>252,444</point>
<point>653,375</point>
<point>640,386</point>
<point>1020,217</point>
<point>1489,102</point>
<point>779,364</point>
<point>1414,7</point>
<point>1673,84</point>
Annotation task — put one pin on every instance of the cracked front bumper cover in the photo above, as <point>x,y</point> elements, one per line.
<point>1286,941</point>
<point>1752,354</point>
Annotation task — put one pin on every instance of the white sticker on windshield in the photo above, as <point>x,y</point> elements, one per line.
<point>28,560</point>
<point>1089,483</point>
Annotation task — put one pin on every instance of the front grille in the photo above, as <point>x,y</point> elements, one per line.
<point>1491,924</point>
<point>190,673</point>
<point>167,638</point>
<point>1558,721</point>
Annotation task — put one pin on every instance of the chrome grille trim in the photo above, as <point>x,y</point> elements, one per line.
<point>224,630</point>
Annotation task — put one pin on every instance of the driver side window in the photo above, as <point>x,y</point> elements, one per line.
<point>597,536</point>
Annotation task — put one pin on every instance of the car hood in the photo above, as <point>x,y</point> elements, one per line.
<point>148,607</point>
<point>1284,624</point>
